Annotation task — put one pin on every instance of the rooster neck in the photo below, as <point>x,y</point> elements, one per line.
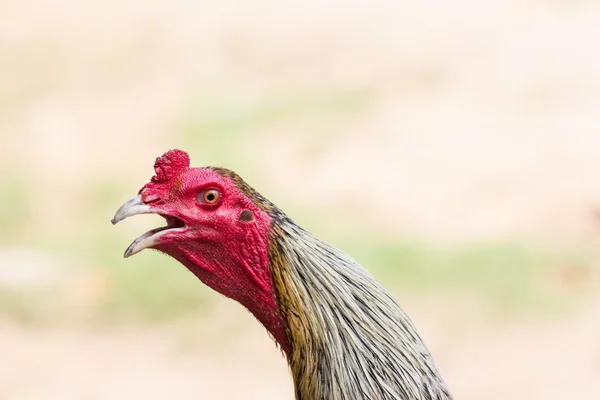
<point>349,339</point>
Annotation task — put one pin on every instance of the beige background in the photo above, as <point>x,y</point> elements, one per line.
<point>449,123</point>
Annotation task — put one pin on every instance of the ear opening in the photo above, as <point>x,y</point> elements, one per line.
<point>246,216</point>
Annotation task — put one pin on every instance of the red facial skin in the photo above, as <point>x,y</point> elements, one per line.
<point>229,254</point>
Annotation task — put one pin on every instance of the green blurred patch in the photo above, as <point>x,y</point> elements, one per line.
<point>20,306</point>
<point>104,193</point>
<point>507,277</point>
<point>212,125</point>
<point>15,207</point>
<point>150,289</point>
<point>219,117</point>
<point>32,306</point>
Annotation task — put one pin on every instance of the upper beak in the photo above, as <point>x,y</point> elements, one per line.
<point>134,206</point>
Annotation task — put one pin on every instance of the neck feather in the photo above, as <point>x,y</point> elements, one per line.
<point>348,336</point>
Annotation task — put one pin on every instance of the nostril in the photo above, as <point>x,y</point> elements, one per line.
<point>149,198</point>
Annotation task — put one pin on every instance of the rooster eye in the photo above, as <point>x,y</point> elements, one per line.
<point>208,196</point>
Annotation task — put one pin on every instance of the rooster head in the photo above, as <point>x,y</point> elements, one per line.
<point>217,226</point>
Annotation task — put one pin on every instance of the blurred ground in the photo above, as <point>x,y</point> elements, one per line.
<point>452,148</point>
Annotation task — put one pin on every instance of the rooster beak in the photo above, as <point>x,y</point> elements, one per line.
<point>137,206</point>
<point>132,207</point>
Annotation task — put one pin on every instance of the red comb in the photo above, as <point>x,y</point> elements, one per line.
<point>170,164</point>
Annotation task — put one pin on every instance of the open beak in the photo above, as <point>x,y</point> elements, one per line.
<point>151,238</point>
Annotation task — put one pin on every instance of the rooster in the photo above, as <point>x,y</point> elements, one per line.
<point>342,333</point>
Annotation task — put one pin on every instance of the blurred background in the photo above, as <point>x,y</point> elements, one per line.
<point>450,147</point>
